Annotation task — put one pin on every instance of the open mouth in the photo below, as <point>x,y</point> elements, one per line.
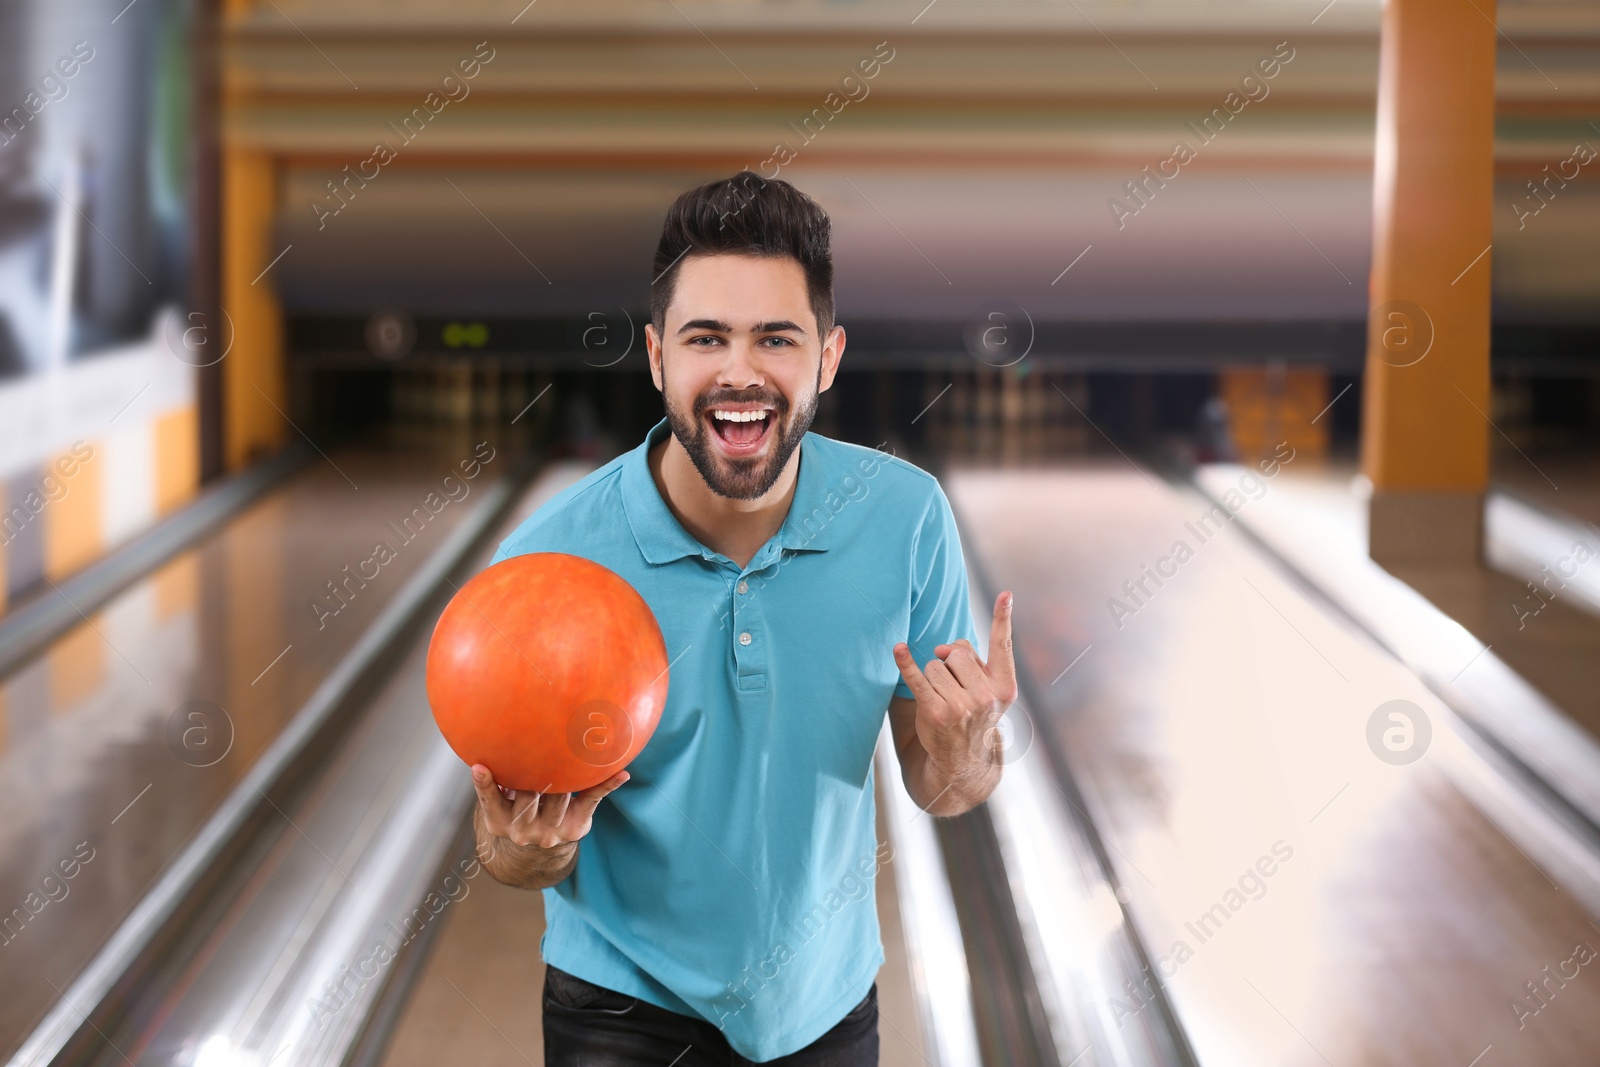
<point>740,431</point>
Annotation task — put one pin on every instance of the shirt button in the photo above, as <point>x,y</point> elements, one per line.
<point>744,638</point>
<point>744,587</point>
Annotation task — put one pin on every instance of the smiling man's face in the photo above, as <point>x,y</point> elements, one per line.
<point>740,367</point>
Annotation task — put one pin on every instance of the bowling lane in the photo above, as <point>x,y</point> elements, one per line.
<point>477,997</point>
<point>1306,898</point>
<point>315,929</point>
<point>121,739</point>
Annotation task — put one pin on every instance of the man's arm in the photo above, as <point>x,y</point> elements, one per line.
<point>530,840</point>
<point>930,790</point>
<point>950,751</point>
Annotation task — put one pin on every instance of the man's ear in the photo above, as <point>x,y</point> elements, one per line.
<point>832,353</point>
<point>652,350</point>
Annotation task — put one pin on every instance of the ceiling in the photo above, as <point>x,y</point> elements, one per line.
<point>978,162</point>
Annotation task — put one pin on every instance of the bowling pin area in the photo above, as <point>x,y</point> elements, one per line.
<point>1264,802</point>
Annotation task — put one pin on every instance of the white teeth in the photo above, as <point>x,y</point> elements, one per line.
<point>739,416</point>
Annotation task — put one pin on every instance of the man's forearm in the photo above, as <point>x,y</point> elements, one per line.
<point>522,866</point>
<point>961,790</point>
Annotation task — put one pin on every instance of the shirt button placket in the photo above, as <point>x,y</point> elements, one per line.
<point>749,654</point>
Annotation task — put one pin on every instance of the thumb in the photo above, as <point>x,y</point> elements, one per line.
<point>483,784</point>
<point>590,798</point>
<point>916,681</point>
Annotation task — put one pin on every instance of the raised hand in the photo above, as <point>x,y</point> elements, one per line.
<point>960,698</point>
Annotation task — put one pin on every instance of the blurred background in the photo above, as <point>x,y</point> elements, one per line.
<point>1124,274</point>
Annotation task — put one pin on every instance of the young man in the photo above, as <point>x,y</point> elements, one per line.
<point>722,911</point>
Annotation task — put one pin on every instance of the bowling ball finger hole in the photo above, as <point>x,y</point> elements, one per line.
<point>599,733</point>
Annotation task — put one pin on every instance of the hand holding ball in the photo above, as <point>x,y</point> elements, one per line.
<point>548,669</point>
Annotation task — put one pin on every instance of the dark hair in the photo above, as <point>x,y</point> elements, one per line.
<point>750,215</point>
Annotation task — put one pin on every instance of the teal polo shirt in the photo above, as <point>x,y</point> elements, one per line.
<point>732,876</point>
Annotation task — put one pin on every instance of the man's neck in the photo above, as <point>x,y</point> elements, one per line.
<point>735,528</point>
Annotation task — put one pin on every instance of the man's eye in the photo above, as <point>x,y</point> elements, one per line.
<point>780,341</point>
<point>696,340</point>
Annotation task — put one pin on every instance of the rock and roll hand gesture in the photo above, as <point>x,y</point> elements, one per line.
<point>959,701</point>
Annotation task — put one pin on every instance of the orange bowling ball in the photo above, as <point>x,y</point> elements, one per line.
<point>548,669</point>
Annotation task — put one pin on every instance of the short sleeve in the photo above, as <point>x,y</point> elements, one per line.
<point>941,606</point>
<point>505,551</point>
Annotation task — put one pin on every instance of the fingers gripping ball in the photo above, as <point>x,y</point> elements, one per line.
<point>548,669</point>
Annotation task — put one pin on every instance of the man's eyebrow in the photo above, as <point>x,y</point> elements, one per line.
<point>705,324</point>
<point>778,326</point>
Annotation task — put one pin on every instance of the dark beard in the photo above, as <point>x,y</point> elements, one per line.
<point>740,479</point>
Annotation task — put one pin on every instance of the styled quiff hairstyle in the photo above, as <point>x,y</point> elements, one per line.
<point>750,215</point>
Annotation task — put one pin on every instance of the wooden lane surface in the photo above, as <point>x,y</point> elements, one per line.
<point>1221,733</point>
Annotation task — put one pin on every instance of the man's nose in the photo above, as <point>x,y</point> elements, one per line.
<point>739,368</point>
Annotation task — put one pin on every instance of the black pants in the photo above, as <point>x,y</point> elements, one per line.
<point>586,1025</point>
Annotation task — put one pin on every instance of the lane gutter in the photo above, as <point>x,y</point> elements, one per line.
<point>30,629</point>
<point>1064,887</point>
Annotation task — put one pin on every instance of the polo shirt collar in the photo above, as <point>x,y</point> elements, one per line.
<point>662,539</point>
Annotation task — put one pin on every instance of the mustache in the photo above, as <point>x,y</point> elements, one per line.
<point>779,404</point>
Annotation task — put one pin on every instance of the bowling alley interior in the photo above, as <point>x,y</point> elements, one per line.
<point>1254,345</point>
